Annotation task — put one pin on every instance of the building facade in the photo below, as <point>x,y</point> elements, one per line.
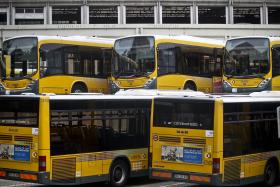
<point>115,18</point>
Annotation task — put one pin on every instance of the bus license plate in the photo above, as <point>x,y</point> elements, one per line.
<point>15,175</point>
<point>180,176</point>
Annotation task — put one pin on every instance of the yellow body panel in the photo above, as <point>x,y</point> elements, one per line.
<point>177,82</point>
<point>62,84</point>
<point>130,82</point>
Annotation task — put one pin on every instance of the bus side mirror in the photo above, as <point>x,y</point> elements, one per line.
<point>7,60</point>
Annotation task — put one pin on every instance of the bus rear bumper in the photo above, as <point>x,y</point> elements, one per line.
<point>198,178</point>
<point>25,176</point>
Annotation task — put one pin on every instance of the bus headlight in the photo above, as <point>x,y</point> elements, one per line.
<point>151,83</point>
<point>264,83</point>
<point>226,84</point>
<point>33,86</point>
<point>114,87</point>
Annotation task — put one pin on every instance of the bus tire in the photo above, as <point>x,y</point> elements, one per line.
<point>79,88</point>
<point>190,86</point>
<point>118,173</point>
<point>271,172</point>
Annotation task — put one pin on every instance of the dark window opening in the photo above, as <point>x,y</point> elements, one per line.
<point>273,15</point>
<point>29,10</point>
<point>182,113</point>
<point>248,15</point>
<point>102,125</point>
<point>142,14</point>
<point>19,112</point>
<point>211,15</point>
<point>29,21</point>
<point>103,15</point>
<point>19,10</point>
<point>250,128</point>
<point>176,14</point>
<point>189,60</point>
<point>66,15</point>
<point>3,18</point>
<point>276,61</point>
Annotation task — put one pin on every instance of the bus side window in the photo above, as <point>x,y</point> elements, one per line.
<point>276,61</point>
<point>167,59</point>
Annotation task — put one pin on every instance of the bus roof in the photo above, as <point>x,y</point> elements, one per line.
<point>183,38</point>
<point>109,41</point>
<point>264,37</point>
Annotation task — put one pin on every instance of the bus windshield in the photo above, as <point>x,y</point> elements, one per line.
<point>133,56</point>
<point>20,58</point>
<point>246,57</point>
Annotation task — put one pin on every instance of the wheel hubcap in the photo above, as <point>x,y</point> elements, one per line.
<point>118,174</point>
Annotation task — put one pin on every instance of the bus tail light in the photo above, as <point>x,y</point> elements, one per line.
<point>42,163</point>
<point>216,165</point>
<point>2,174</point>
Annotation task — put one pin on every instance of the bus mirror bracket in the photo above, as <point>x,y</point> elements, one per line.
<point>278,121</point>
<point>7,59</point>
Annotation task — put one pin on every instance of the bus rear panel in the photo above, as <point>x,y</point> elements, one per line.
<point>19,148</point>
<point>182,141</point>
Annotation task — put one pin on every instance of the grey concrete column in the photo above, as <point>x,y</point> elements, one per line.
<point>160,13</point>
<point>230,15</point>
<point>45,15</point>
<point>265,13</point>
<point>84,14</point>
<point>123,14</point>
<point>8,16</point>
<point>194,13</point>
<point>11,14</point>
<point>50,15</point>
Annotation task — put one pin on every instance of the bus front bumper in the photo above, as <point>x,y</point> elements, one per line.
<point>25,176</point>
<point>198,178</point>
<point>33,87</point>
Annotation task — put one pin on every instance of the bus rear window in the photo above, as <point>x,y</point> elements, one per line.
<point>19,112</point>
<point>178,113</point>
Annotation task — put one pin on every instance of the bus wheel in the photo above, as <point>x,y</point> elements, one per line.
<point>270,173</point>
<point>118,173</point>
<point>79,88</point>
<point>190,86</point>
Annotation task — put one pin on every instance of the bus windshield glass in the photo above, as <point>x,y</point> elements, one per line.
<point>247,57</point>
<point>19,58</point>
<point>134,56</point>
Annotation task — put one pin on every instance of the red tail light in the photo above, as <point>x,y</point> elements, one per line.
<point>216,165</point>
<point>42,163</point>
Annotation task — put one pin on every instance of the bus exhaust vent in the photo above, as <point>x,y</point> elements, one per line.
<point>6,137</point>
<point>169,139</point>
<point>64,170</point>
<point>232,171</point>
<point>195,141</point>
<point>27,139</point>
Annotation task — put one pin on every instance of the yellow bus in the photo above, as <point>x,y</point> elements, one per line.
<point>54,64</point>
<point>74,139</point>
<point>167,62</point>
<point>251,64</point>
<point>216,140</point>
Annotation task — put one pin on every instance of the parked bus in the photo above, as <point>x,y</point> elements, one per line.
<point>216,140</point>
<point>74,139</point>
<point>251,64</point>
<point>54,64</point>
<point>167,62</point>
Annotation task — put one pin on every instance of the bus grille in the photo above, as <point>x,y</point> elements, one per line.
<point>6,137</point>
<point>64,170</point>
<point>232,171</point>
<point>27,139</point>
<point>169,139</point>
<point>194,141</point>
